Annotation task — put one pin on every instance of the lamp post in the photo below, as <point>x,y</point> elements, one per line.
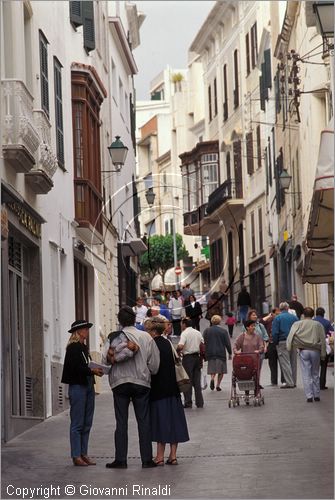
<point>118,153</point>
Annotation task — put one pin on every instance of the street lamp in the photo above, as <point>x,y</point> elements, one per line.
<point>324,13</point>
<point>285,179</point>
<point>118,153</point>
<point>150,196</point>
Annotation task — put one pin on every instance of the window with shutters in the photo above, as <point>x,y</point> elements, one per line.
<point>253,235</point>
<point>260,229</point>
<point>76,13</point>
<point>210,103</point>
<point>215,98</point>
<point>254,49</point>
<point>59,112</point>
<point>86,102</point>
<point>236,82</point>
<point>250,153</point>
<point>237,150</point>
<point>44,73</point>
<point>247,52</point>
<point>228,168</point>
<point>216,253</point>
<point>259,146</point>
<point>225,90</point>
<point>270,161</point>
<point>88,26</point>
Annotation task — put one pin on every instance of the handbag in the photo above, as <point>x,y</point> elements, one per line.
<point>183,380</point>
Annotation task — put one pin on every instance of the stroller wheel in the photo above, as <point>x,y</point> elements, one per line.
<point>229,403</point>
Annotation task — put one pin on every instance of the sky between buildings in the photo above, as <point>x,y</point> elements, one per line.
<point>166,34</point>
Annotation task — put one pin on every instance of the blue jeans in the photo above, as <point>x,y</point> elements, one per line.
<point>243,313</point>
<point>310,365</point>
<point>82,399</point>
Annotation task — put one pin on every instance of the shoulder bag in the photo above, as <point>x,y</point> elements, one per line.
<point>183,380</point>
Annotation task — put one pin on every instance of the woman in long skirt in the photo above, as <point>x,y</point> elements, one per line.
<point>168,422</point>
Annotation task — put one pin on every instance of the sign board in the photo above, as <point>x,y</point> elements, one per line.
<point>177,270</point>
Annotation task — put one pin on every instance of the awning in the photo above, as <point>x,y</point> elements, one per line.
<point>320,232</point>
<point>133,247</point>
<point>319,266</point>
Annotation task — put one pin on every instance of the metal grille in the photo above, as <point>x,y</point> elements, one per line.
<point>15,254</point>
<point>29,396</point>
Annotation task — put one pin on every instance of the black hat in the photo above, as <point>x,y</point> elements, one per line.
<point>78,324</point>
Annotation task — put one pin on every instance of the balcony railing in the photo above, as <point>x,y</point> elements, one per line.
<point>196,216</point>
<point>227,191</point>
<point>20,138</point>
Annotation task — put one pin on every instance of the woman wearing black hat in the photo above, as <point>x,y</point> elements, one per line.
<point>80,378</point>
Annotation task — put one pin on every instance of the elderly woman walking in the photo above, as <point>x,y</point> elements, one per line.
<point>168,422</point>
<point>217,342</point>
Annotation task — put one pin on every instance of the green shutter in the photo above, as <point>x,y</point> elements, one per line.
<point>267,68</point>
<point>88,23</point>
<point>76,17</point>
<point>44,73</point>
<point>59,113</point>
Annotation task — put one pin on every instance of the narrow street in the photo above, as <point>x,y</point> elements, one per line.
<point>283,449</point>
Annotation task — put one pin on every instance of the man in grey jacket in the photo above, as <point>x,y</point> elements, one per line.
<point>130,381</point>
<point>308,337</point>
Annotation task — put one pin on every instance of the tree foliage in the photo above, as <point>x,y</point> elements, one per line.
<point>159,257</point>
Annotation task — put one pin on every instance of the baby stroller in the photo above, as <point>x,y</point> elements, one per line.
<point>245,377</point>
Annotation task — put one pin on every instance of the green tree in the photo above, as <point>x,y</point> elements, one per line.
<point>159,257</point>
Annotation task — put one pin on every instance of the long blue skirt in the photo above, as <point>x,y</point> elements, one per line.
<point>168,422</point>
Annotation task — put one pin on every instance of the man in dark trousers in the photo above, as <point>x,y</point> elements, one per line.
<point>130,381</point>
<point>243,302</point>
<point>320,317</point>
<point>189,345</point>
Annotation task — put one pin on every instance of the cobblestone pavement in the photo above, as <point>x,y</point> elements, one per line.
<point>283,449</point>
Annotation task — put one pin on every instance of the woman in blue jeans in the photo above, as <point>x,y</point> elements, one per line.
<point>80,378</point>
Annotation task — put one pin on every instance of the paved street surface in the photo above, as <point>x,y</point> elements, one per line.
<point>283,449</point>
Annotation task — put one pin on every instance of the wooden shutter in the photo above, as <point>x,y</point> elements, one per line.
<point>44,73</point>
<point>267,69</point>
<point>210,103</point>
<point>259,146</point>
<point>225,87</point>
<point>76,17</point>
<point>237,150</point>
<point>236,96</point>
<point>88,23</point>
<point>247,52</point>
<point>215,98</point>
<point>254,50</point>
<point>250,153</point>
<point>59,113</point>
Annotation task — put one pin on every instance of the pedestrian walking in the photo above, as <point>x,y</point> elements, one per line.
<point>176,308</point>
<point>194,312</point>
<point>186,293</point>
<point>189,345</point>
<point>320,317</point>
<point>141,312</point>
<point>230,322</point>
<point>130,381</point>
<point>224,294</point>
<point>281,327</point>
<point>168,422</point>
<point>296,305</point>
<point>243,303</point>
<point>80,378</point>
<point>217,343</point>
<point>309,338</point>
<point>214,306</point>
<point>271,353</point>
<point>261,331</point>
<point>249,340</point>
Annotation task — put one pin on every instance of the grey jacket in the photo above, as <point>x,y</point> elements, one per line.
<point>136,370</point>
